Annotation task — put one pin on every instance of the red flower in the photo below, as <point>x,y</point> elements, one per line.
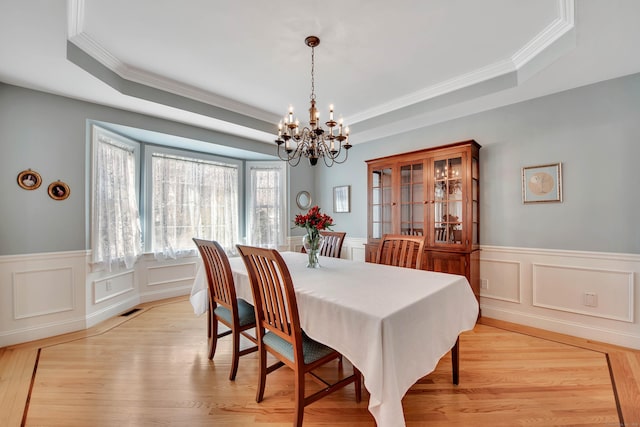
<point>314,221</point>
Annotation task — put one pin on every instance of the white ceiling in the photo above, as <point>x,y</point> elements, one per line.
<point>387,66</point>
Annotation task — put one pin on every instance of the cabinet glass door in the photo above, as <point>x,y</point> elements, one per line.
<point>412,199</point>
<point>381,192</point>
<point>448,201</point>
<point>475,183</point>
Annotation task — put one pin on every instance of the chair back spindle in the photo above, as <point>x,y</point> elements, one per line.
<point>273,293</point>
<point>218,270</point>
<point>332,246</point>
<point>401,250</point>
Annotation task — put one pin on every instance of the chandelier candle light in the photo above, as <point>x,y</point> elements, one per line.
<point>312,142</point>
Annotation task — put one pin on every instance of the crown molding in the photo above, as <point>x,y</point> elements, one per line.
<point>465,80</point>
<point>562,26</point>
<point>102,55</point>
<point>75,20</point>
<point>90,46</point>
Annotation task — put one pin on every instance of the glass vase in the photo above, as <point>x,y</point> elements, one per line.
<point>312,245</point>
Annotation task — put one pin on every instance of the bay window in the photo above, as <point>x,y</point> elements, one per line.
<point>185,194</point>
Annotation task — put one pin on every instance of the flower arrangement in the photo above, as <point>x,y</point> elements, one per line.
<point>314,221</point>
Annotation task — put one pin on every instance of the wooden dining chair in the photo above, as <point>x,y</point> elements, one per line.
<point>401,250</point>
<point>279,332</point>
<point>332,246</point>
<point>224,307</point>
<point>412,232</point>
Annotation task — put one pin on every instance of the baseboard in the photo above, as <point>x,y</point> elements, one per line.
<point>562,326</point>
<point>112,310</point>
<point>165,293</point>
<point>41,331</point>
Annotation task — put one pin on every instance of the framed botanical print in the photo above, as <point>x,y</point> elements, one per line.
<point>542,183</point>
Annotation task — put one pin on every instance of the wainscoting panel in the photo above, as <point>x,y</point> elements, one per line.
<point>40,292</point>
<point>500,279</point>
<point>171,273</point>
<point>41,295</point>
<point>354,249</point>
<point>166,278</point>
<point>594,292</point>
<point>591,295</point>
<point>112,286</point>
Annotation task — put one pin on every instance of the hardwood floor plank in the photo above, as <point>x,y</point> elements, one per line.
<point>152,369</point>
<point>16,371</point>
<point>625,367</point>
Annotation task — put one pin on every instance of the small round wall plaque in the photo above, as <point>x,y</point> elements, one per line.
<point>29,180</point>
<point>58,190</point>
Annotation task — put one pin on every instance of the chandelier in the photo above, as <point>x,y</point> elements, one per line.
<point>312,142</point>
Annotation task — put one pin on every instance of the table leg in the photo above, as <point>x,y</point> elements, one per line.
<point>455,361</point>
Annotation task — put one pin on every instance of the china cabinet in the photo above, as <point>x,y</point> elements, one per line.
<point>432,193</point>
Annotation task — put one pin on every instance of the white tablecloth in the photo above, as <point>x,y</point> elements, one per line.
<point>394,324</point>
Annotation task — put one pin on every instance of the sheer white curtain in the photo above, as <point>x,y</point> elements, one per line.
<point>192,198</point>
<point>116,221</point>
<point>266,208</point>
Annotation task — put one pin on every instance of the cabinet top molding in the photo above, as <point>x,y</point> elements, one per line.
<point>453,145</point>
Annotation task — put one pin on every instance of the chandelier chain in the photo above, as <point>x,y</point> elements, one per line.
<point>313,80</point>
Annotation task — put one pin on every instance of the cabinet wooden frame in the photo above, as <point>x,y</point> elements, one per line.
<point>433,192</point>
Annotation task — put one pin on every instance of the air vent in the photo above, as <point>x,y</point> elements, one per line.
<point>130,312</point>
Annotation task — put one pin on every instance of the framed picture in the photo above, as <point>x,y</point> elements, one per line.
<point>542,183</point>
<point>58,190</point>
<point>29,180</point>
<point>342,199</point>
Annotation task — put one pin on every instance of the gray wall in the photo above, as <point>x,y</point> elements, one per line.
<point>594,131</point>
<point>48,134</point>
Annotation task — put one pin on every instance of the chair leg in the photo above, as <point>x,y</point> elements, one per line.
<point>299,391</point>
<point>235,357</point>
<point>213,339</point>
<point>455,361</point>
<point>358,384</point>
<point>209,323</point>
<point>262,375</point>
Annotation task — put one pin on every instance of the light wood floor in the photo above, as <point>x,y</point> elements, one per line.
<point>151,368</point>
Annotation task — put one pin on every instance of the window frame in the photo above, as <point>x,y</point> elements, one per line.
<point>147,189</point>
<point>96,132</point>
<point>284,209</point>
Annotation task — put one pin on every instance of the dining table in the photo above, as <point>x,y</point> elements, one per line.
<point>393,323</point>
